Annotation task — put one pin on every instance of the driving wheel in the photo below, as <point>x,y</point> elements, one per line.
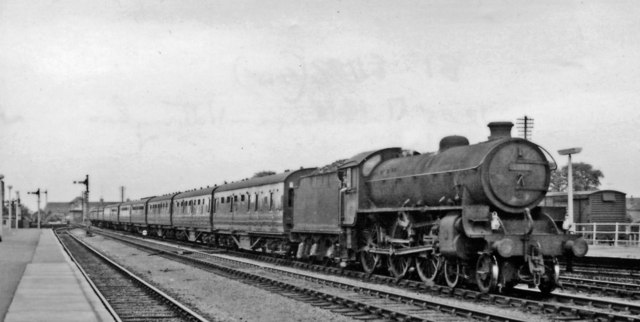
<point>369,261</point>
<point>399,265</point>
<point>452,272</point>
<point>427,267</point>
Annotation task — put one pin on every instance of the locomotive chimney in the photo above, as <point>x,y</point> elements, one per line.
<point>500,130</point>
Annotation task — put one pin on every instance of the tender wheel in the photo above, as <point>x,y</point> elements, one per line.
<point>399,265</point>
<point>487,273</point>
<point>369,239</point>
<point>452,272</point>
<point>549,280</point>
<point>427,267</point>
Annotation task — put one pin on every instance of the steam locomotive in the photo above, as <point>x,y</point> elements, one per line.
<point>463,213</point>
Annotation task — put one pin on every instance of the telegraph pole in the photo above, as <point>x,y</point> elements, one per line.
<point>525,126</point>
<point>121,193</point>
<point>85,182</point>
<point>37,193</point>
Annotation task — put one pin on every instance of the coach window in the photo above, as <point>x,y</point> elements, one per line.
<point>248,201</point>
<point>231,205</point>
<point>256,203</point>
<point>242,198</point>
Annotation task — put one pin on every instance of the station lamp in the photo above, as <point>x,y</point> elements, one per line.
<point>568,223</point>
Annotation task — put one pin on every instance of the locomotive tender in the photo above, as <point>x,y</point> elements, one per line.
<point>465,212</point>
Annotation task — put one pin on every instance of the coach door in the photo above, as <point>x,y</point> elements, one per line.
<point>348,194</point>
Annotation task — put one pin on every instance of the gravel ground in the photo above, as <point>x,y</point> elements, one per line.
<point>217,298</point>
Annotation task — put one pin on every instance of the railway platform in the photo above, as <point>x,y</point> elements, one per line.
<point>39,282</point>
<point>614,252</point>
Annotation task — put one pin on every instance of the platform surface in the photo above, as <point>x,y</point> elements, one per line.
<point>43,283</point>
<point>616,252</point>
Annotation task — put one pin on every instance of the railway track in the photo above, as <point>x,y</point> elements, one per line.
<point>606,269</point>
<point>126,296</point>
<point>557,306</point>
<point>617,277</point>
<point>603,287</point>
<point>350,299</point>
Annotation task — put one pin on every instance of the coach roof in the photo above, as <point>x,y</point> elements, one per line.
<point>134,202</point>
<point>163,197</point>
<point>195,193</point>
<point>259,181</point>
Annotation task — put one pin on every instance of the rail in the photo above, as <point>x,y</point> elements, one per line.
<point>610,234</point>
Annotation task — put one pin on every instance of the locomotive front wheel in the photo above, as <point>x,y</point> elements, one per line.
<point>487,273</point>
<point>427,268</point>
<point>452,271</point>
<point>399,265</point>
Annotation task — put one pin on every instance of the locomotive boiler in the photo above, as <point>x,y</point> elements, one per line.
<point>466,211</point>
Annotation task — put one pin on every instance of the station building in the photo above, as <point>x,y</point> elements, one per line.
<point>70,211</point>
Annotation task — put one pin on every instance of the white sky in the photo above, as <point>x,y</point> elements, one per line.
<point>161,96</point>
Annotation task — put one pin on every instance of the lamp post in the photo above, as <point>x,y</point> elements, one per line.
<point>568,223</point>
<point>85,182</point>
<point>10,205</point>
<point>18,212</point>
